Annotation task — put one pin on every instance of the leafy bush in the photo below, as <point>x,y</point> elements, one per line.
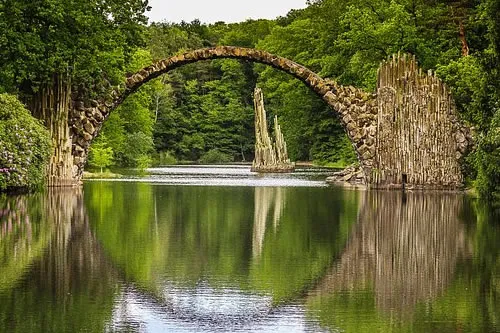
<point>101,156</point>
<point>24,146</point>
<point>139,146</point>
<point>214,156</point>
<point>166,158</point>
<point>143,161</point>
<point>488,162</point>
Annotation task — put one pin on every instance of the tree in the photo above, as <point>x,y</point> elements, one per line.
<point>135,115</point>
<point>100,155</point>
<point>309,126</point>
<point>206,105</point>
<point>139,146</point>
<point>62,48</point>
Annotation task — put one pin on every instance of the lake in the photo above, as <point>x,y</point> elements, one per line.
<point>222,249</point>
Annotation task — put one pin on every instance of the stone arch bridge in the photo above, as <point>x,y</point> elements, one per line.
<point>406,132</point>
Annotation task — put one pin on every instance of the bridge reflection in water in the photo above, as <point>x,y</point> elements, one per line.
<point>62,278</point>
<point>403,250</point>
<point>401,253</point>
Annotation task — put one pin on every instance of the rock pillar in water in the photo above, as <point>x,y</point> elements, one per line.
<point>269,156</point>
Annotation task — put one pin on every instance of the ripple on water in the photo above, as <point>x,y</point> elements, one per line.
<point>208,310</point>
<point>223,175</point>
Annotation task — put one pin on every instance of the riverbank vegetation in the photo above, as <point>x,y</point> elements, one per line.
<point>207,106</point>
<point>24,147</point>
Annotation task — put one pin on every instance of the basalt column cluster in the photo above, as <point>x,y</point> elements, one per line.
<point>269,156</point>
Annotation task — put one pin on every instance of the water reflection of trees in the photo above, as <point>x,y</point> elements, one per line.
<point>226,236</point>
<point>22,238</point>
<point>396,266</point>
<point>70,284</point>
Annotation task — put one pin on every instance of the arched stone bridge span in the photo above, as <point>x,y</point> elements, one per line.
<point>343,100</point>
<point>360,113</point>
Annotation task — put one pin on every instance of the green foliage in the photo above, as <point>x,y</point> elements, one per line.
<point>311,130</point>
<point>131,124</point>
<point>24,146</point>
<point>468,81</point>
<point>139,146</point>
<point>166,158</point>
<point>143,161</point>
<point>215,156</point>
<point>101,156</point>
<point>90,40</point>
<point>210,103</point>
<point>488,161</point>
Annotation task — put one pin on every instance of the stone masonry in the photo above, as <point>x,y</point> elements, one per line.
<point>358,111</point>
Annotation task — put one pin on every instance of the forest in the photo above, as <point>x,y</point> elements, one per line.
<point>204,111</point>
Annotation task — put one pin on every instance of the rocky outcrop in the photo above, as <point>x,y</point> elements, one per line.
<point>352,176</point>
<point>269,156</point>
<point>420,140</point>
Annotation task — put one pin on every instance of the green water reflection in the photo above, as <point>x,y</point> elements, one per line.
<point>244,237</point>
<point>52,279</point>
<point>350,261</point>
<point>425,263</point>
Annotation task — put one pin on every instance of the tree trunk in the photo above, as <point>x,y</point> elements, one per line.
<point>51,104</point>
<point>465,45</point>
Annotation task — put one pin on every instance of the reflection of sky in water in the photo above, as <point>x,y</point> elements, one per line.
<point>223,175</point>
<point>204,309</point>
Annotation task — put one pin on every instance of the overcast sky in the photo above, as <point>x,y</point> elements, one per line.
<point>229,11</point>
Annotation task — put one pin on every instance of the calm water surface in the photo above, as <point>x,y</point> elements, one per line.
<point>221,249</point>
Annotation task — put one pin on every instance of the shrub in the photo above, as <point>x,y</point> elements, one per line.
<point>24,147</point>
<point>143,162</point>
<point>166,158</point>
<point>138,145</point>
<point>101,156</point>
<point>214,156</point>
<point>488,162</point>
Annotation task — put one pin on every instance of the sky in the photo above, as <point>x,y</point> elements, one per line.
<point>229,11</point>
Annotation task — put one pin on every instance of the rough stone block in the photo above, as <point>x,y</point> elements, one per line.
<point>89,127</point>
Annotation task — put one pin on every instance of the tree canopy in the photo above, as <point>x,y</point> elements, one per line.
<point>90,41</point>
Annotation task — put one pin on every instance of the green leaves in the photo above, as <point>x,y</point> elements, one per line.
<point>101,155</point>
<point>89,39</point>
<point>488,161</point>
<point>24,146</point>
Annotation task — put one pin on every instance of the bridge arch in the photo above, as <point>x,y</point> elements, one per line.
<point>355,108</point>
<point>407,135</point>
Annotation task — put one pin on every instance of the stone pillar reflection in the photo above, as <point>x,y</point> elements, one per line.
<point>74,256</point>
<point>405,246</point>
<point>62,271</point>
<point>267,200</point>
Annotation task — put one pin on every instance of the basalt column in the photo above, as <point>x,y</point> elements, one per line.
<point>419,137</point>
<point>51,104</point>
<point>269,156</point>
